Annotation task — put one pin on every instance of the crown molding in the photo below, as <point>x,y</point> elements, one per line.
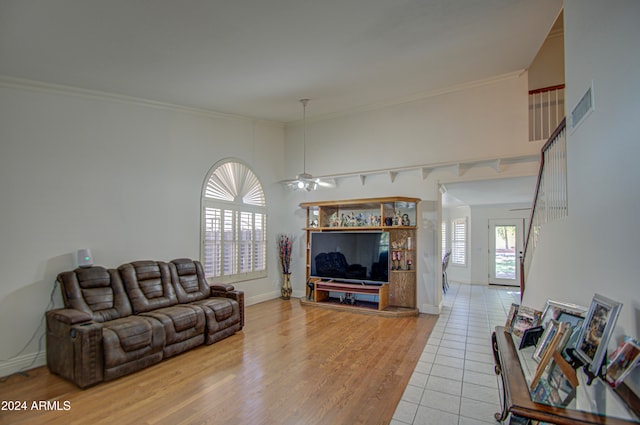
<point>40,86</point>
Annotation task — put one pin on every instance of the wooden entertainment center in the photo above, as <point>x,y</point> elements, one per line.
<point>393,217</point>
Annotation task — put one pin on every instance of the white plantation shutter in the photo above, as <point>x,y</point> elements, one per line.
<point>444,237</point>
<point>459,241</point>
<point>234,243</point>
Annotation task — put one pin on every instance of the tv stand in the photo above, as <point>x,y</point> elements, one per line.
<point>322,289</point>
<point>395,215</point>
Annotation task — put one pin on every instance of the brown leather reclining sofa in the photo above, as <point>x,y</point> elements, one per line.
<point>116,322</point>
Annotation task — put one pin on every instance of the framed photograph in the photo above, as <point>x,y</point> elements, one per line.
<point>540,393</point>
<point>575,325</point>
<point>523,318</point>
<point>596,331</point>
<point>553,310</point>
<point>549,351</point>
<point>545,339</point>
<point>623,360</point>
<point>512,314</point>
<point>531,337</point>
<point>572,319</point>
<point>562,380</point>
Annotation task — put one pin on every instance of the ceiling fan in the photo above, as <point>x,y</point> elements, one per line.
<point>304,180</point>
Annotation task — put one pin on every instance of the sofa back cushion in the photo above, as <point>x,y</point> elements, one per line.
<point>188,280</point>
<point>96,291</point>
<point>148,284</point>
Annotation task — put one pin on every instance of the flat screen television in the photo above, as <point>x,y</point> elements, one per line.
<point>350,256</point>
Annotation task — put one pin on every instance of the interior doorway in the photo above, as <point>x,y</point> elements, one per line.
<point>505,244</point>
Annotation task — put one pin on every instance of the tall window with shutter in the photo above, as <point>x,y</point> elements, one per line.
<point>459,241</point>
<point>233,223</point>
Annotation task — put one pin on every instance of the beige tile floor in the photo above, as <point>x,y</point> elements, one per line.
<point>454,381</point>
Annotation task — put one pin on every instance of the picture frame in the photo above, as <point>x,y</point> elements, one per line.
<point>572,319</point>
<point>512,314</point>
<point>596,331</point>
<point>549,351</point>
<point>553,310</point>
<point>575,325</point>
<point>562,380</point>
<point>521,318</point>
<point>531,337</point>
<point>622,362</point>
<point>545,339</point>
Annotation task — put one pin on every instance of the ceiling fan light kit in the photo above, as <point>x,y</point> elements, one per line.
<point>304,180</point>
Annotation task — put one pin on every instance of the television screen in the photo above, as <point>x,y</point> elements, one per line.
<point>350,256</point>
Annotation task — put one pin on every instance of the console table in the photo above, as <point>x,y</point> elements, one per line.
<point>594,404</point>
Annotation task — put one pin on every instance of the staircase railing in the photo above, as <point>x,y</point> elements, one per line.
<point>550,198</point>
<point>546,110</point>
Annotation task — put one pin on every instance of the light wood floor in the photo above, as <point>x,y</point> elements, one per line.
<point>291,364</point>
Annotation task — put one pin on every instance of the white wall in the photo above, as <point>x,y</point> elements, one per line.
<point>547,68</point>
<point>456,272</point>
<point>596,249</point>
<point>120,177</point>
<point>478,122</point>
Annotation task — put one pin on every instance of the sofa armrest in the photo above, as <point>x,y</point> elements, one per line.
<point>74,346</point>
<point>228,291</point>
<point>68,316</point>
<point>221,287</point>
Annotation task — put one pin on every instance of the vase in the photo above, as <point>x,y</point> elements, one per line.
<point>286,286</point>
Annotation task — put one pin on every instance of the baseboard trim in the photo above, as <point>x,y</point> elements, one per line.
<point>22,363</point>
<point>431,309</point>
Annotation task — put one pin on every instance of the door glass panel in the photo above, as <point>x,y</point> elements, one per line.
<point>505,252</point>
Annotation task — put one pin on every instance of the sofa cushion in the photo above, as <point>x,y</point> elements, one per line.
<point>223,317</point>
<point>189,280</point>
<point>96,291</point>
<point>222,307</point>
<point>179,319</point>
<point>131,338</point>
<point>148,284</point>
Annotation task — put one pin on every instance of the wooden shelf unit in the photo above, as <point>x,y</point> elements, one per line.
<point>396,215</point>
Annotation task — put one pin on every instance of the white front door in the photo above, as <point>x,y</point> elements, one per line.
<point>505,245</point>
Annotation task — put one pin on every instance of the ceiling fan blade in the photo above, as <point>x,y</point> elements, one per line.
<point>328,183</point>
<point>306,180</point>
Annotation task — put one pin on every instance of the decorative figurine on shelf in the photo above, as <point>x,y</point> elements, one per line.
<point>393,260</point>
<point>399,244</point>
<point>409,262</point>
<point>334,221</point>
<point>397,218</point>
<point>314,223</point>
<point>405,220</point>
<point>388,221</point>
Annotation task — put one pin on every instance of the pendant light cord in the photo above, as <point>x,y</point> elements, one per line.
<point>304,134</point>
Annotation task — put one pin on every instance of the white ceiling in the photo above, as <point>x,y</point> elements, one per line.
<point>512,191</point>
<point>256,58</point>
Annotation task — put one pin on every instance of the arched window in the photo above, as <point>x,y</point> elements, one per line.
<point>233,223</point>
